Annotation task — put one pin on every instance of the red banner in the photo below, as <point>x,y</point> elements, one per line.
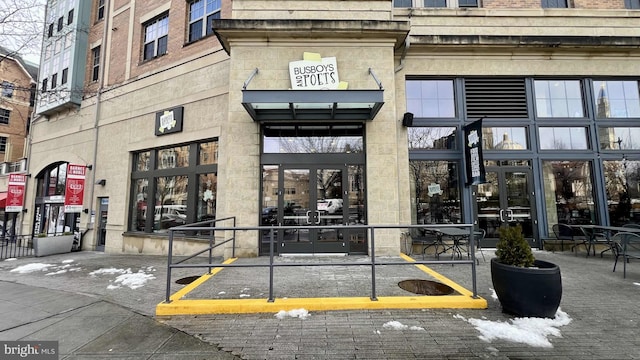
<point>15,192</point>
<point>74,191</point>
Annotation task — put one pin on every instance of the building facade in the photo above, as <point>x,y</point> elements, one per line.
<point>336,113</point>
<point>18,86</point>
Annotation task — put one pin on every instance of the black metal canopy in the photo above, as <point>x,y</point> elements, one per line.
<point>312,105</point>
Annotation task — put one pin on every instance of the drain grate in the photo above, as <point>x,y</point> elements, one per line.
<point>425,287</point>
<point>187,280</point>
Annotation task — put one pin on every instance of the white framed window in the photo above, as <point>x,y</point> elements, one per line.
<point>4,116</point>
<point>95,54</point>
<point>156,34</point>
<point>201,14</point>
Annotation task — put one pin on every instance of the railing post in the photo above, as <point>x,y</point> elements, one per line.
<point>373,264</point>
<point>169,256</point>
<point>472,242</point>
<point>271,251</point>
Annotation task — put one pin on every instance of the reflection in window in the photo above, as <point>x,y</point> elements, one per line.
<point>563,138</point>
<point>430,98</point>
<point>312,145</point>
<point>558,98</point>
<point>616,99</point>
<point>207,190</point>
<point>173,157</point>
<point>435,192</point>
<point>622,181</point>
<point>568,192</point>
<point>619,138</point>
<point>430,138</point>
<point>49,216</point>
<point>504,138</point>
<point>162,195</point>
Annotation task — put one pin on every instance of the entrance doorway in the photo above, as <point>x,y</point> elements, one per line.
<point>103,212</point>
<point>314,195</point>
<point>506,199</point>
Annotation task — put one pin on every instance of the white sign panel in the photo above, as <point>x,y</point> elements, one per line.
<point>315,74</point>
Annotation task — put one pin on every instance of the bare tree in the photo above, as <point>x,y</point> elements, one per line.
<point>22,26</point>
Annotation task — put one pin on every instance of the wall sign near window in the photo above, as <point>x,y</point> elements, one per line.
<point>169,121</point>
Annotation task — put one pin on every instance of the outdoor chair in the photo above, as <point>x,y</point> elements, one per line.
<point>424,239</point>
<point>632,225</point>
<point>479,236</point>
<point>593,237</point>
<point>627,246</point>
<point>564,232</point>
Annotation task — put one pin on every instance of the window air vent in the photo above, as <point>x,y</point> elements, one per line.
<point>495,98</point>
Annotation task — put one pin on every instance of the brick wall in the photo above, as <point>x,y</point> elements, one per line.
<point>18,104</point>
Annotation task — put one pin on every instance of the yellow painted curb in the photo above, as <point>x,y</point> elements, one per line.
<point>177,306</point>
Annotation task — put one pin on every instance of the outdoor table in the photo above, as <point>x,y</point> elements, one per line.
<point>457,235</point>
<point>607,232</point>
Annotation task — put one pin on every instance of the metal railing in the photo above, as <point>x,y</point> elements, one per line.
<point>370,229</point>
<point>15,246</point>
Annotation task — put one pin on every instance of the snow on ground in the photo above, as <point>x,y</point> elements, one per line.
<point>396,325</point>
<point>531,331</point>
<point>299,313</point>
<point>125,277</point>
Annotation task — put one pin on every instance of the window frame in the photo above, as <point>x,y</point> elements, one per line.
<point>95,69</point>
<point>632,4</point>
<point>158,27</point>
<point>7,89</point>
<point>3,143</point>
<point>554,4</point>
<point>5,116</point>
<point>100,11</point>
<point>204,20</point>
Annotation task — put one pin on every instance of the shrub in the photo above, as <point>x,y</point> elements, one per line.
<point>512,248</point>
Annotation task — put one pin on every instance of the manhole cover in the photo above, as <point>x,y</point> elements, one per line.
<point>187,280</point>
<point>425,287</point>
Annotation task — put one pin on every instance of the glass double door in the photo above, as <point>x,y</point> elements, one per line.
<point>506,199</point>
<point>329,196</point>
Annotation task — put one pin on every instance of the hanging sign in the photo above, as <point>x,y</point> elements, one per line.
<point>169,121</point>
<point>15,192</point>
<point>473,153</point>
<point>74,191</point>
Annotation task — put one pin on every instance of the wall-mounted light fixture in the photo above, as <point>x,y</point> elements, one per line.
<point>86,211</point>
<point>407,119</point>
<point>89,167</point>
<point>101,182</point>
<point>24,211</point>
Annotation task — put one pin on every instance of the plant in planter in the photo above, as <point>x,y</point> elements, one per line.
<point>44,245</point>
<point>525,286</point>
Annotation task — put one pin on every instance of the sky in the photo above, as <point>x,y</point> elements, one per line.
<point>535,332</point>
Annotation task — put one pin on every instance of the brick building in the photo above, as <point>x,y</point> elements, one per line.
<point>266,110</point>
<point>18,84</point>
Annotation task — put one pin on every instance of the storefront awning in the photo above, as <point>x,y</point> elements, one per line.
<point>3,200</point>
<point>312,105</point>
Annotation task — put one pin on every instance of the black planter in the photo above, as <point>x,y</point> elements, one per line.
<point>527,292</point>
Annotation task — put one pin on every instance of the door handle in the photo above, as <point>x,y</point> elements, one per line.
<point>510,213</point>
<point>501,215</point>
<point>308,217</point>
<point>317,217</point>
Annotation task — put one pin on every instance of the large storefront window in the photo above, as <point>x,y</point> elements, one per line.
<point>432,138</point>
<point>619,138</point>
<point>49,215</point>
<point>568,192</point>
<point>622,181</point>
<point>504,138</point>
<point>436,193</point>
<point>563,138</point>
<point>430,98</point>
<point>616,99</point>
<point>173,178</point>
<point>558,98</point>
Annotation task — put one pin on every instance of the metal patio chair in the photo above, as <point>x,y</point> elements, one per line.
<point>627,246</point>
<point>564,232</point>
<point>593,237</point>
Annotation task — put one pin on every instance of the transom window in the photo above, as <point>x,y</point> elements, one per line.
<point>201,14</point>
<point>430,98</point>
<point>432,138</point>
<point>155,37</point>
<point>563,138</point>
<point>558,99</point>
<point>616,99</point>
<point>619,138</point>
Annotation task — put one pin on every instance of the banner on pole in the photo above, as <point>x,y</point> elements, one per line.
<point>74,191</point>
<point>15,193</point>
<point>473,153</point>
